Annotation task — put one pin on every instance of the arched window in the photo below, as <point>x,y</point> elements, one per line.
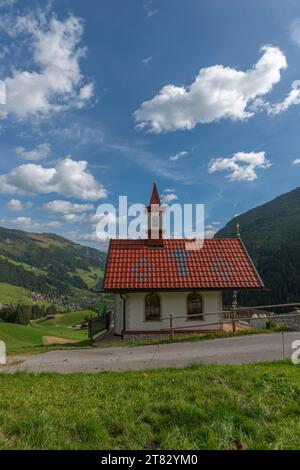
<point>152,307</point>
<point>194,307</point>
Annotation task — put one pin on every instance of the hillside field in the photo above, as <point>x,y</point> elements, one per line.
<point>19,338</point>
<point>199,407</point>
<point>48,263</point>
<point>10,293</point>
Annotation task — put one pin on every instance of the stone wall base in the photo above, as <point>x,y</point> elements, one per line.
<point>162,334</point>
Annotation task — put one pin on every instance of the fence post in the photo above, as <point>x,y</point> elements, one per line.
<point>107,320</point>
<point>171,328</point>
<point>234,311</point>
<point>90,328</point>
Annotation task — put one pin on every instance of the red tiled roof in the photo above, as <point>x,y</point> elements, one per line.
<point>220,264</point>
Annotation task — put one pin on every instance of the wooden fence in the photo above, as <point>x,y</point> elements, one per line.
<point>100,323</point>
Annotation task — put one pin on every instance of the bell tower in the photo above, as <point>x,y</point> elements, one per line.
<point>155,220</point>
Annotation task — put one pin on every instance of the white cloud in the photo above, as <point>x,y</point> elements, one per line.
<point>94,237</point>
<point>7,3</point>
<point>169,190</point>
<point>178,155</point>
<point>29,223</point>
<point>146,60</point>
<point>211,229</point>
<point>294,31</point>
<point>293,98</point>
<point>17,205</point>
<point>66,207</point>
<point>38,153</point>
<point>69,178</point>
<point>85,135</point>
<point>14,205</point>
<point>218,92</point>
<point>296,162</point>
<point>167,198</point>
<point>54,82</point>
<point>149,9</point>
<point>241,166</point>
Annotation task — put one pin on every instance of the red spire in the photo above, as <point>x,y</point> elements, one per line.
<point>154,196</point>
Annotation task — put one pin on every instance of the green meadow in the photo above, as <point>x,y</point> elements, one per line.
<point>20,339</point>
<point>199,407</point>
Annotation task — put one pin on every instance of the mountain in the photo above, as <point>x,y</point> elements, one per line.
<point>271,233</point>
<point>47,263</point>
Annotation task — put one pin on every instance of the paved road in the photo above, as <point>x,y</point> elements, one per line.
<point>256,348</point>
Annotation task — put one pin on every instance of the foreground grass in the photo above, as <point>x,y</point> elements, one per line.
<point>200,407</point>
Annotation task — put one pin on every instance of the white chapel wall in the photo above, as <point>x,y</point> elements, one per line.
<point>174,303</point>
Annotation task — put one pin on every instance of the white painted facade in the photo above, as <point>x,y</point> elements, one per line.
<point>173,302</point>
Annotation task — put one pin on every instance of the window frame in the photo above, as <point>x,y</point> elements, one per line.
<point>199,317</point>
<point>158,319</point>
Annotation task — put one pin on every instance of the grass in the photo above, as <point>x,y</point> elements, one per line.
<point>66,320</point>
<point>25,339</point>
<point>200,407</point>
<point>91,277</point>
<point>10,293</point>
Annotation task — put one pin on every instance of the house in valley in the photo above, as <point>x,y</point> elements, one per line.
<point>156,277</point>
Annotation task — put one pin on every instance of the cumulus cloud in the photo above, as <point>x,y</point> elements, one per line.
<point>218,92</point>
<point>55,81</point>
<point>178,155</point>
<point>40,152</point>
<point>17,205</point>
<point>66,207</point>
<point>167,198</point>
<point>242,166</point>
<point>211,229</point>
<point>29,223</point>
<point>69,178</point>
<point>292,98</point>
<point>296,162</point>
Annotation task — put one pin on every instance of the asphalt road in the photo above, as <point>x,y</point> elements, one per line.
<point>238,350</point>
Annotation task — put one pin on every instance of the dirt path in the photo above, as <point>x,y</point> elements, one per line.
<point>57,340</point>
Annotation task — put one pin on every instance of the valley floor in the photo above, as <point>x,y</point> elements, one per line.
<point>200,407</point>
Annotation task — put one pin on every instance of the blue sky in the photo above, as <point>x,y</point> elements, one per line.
<point>104,97</point>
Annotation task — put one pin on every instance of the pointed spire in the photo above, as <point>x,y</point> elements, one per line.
<point>154,196</point>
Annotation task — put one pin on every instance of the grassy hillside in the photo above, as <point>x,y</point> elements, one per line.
<point>20,338</point>
<point>201,407</point>
<point>48,263</point>
<point>10,293</point>
<point>271,233</point>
